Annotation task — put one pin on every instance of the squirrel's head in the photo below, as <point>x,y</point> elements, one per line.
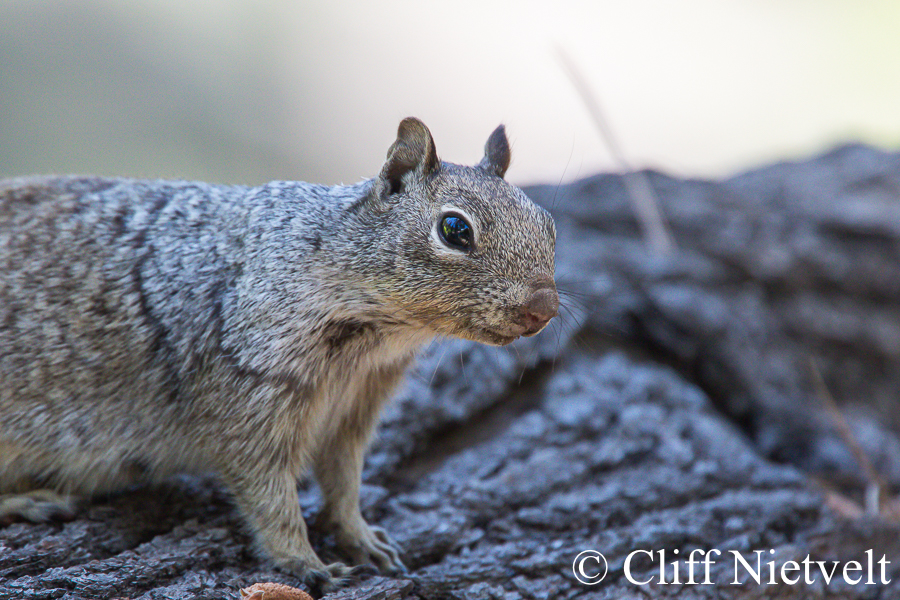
<point>469,254</point>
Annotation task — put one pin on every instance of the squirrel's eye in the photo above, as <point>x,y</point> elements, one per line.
<point>456,232</point>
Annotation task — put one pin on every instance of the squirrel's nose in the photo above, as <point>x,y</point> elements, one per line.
<point>541,306</point>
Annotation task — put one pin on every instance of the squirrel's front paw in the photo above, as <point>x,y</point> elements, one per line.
<point>371,545</point>
<point>322,579</point>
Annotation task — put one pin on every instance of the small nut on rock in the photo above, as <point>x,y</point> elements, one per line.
<point>273,591</point>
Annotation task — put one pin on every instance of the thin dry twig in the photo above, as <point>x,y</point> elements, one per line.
<point>875,486</point>
<point>640,191</point>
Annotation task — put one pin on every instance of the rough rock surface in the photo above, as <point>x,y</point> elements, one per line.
<point>672,407</point>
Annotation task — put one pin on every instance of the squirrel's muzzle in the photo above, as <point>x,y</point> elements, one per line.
<point>541,306</point>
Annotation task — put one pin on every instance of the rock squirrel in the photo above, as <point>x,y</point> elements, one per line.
<point>154,327</point>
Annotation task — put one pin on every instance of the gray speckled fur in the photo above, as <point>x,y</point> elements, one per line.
<point>151,327</point>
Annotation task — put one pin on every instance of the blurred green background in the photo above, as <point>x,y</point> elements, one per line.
<point>246,91</point>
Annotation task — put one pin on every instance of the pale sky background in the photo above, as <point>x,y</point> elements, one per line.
<point>246,91</point>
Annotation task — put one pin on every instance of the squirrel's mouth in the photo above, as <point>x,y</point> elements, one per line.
<point>497,338</point>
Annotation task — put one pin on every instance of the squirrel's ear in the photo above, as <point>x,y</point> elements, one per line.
<point>496,153</point>
<point>412,157</point>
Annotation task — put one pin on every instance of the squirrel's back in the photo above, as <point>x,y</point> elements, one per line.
<point>115,299</point>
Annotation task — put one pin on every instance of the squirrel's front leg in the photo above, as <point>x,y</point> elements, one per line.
<point>338,473</point>
<point>338,469</point>
<point>269,503</point>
